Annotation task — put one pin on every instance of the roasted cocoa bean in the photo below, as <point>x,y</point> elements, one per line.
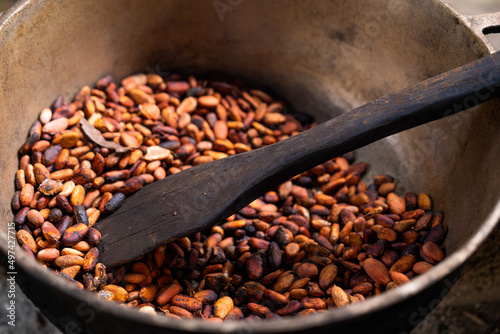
<point>114,203</point>
<point>189,303</point>
<point>80,215</point>
<point>223,306</point>
<point>377,271</point>
<point>90,260</point>
<point>254,266</point>
<point>74,234</point>
<point>50,232</point>
<point>166,294</point>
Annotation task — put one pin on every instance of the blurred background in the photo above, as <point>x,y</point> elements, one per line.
<point>4,4</point>
<point>470,307</point>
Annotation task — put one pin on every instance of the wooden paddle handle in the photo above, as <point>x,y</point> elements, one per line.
<point>426,101</point>
<point>204,195</point>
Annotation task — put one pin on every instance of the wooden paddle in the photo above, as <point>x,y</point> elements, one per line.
<point>202,196</point>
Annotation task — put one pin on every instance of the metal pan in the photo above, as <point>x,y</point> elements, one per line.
<point>324,57</point>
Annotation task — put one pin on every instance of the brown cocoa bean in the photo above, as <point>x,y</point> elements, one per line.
<point>48,254</point>
<point>258,309</point>
<point>276,297</point>
<point>234,314</point>
<point>119,293</point>
<point>68,260</point>
<point>327,276</point>
<point>35,217</point>
<point>189,303</point>
<point>377,271</point>
<point>340,298</point>
<point>404,264</point>
<point>254,266</point>
<point>50,232</point>
<point>307,270</point>
<point>91,259</point>
<point>314,303</point>
<point>399,278</point>
<point>165,295</point>
<point>74,234</point>
<point>422,267</point>
<point>223,306</point>
<point>433,251</point>
<point>396,204</point>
